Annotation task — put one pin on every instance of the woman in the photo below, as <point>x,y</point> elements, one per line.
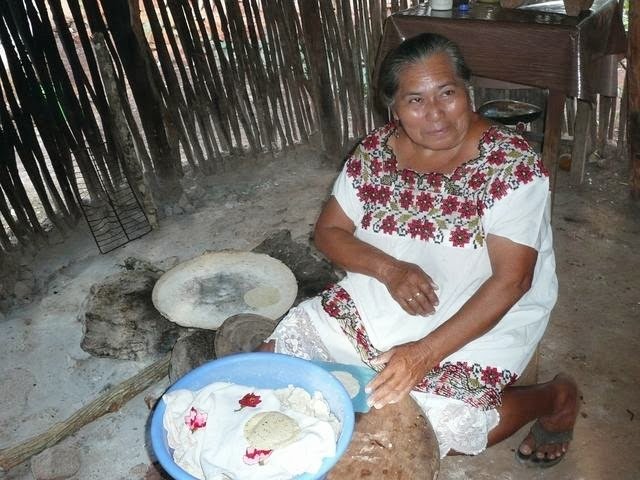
<point>441,221</point>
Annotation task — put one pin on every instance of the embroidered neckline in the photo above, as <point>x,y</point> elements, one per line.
<point>392,159</point>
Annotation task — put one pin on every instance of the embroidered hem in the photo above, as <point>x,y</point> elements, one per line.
<point>476,385</point>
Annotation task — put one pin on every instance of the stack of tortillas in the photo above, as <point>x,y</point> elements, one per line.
<point>203,292</point>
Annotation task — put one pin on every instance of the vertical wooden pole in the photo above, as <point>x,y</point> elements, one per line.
<point>122,136</point>
<point>581,141</point>
<point>633,85</point>
<point>320,77</point>
<point>551,144</point>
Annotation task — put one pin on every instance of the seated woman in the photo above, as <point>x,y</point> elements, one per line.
<point>441,221</point>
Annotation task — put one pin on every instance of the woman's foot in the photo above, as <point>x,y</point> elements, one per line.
<point>549,437</point>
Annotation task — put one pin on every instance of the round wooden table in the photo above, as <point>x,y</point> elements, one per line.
<point>395,442</point>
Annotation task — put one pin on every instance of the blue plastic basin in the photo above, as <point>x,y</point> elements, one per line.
<point>260,370</point>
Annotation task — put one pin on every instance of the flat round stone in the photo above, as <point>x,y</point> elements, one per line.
<point>204,291</point>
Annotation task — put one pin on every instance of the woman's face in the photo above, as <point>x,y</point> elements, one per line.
<point>432,103</point>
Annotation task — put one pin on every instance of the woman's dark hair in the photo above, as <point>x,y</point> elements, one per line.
<point>411,51</point>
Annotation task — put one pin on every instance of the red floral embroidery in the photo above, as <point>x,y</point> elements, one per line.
<point>408,177</point>
<point>388,224</point>
<point>497,158</point>
<point>395,201</point>
<point>361,337</point>
<point>249,400</point>
<point>468,209</point>
<point>367,193</point>
<point>406,199</point>
<point>371,142</point>
<point>253,455</point>
<point>435,180</point>
<point>354,168</point>
<point>477,180</point>
<point>421,228</point>
<point>458,174</point>
<point>425,202</point>
<point>492,135</point>
<point>520,143</point>
<point>376,167</point>
<point>450,205</point>
<point>195,420</point>
<point>332,309</point>
<point>524,173</point>
<point>490,376</point>
<point>460,236</point>
<point>498,189</point>
<point>382,195</point>
<point>477,385</point>
<point>366,220</point>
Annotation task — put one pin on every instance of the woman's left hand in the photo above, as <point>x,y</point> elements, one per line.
<point>405,366</point>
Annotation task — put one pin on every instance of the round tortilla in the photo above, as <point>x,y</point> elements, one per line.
<point>271,430</point>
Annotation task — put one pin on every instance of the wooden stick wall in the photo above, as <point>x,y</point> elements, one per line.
<point>180,85</point>
<point>201,82</point>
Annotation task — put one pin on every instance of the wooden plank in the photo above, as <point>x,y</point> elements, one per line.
<point>580,141</point>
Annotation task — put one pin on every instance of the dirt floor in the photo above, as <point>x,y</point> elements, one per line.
<point>594,333</point>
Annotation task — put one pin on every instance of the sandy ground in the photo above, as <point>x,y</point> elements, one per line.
<point>594,333</point>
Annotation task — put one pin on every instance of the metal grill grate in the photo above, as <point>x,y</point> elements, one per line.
<point>114,214</point>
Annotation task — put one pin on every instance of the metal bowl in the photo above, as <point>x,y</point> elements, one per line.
<point>509,112</point>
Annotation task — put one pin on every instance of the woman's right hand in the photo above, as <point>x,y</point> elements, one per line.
<point>411,287</point>
<point>408,284</point>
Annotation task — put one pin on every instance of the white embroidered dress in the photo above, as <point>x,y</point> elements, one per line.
<point>440,223</point>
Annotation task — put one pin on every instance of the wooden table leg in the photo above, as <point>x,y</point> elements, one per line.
<point>580,141</point>
<point>552,131</point>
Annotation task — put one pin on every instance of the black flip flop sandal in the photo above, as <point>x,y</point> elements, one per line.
<point>543,437</point>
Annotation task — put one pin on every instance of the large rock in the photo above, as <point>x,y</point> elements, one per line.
<point>56,463</point>
<point>191,351</point>
<point>120,320</point>
<point>312,273</point>
<point>9,276</point>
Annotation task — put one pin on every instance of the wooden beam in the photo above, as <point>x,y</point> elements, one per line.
<point>633,85</point>
<point>108,402</point>
<point>581,141</point>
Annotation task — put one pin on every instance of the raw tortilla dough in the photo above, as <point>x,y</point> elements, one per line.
<point>271,430</point>
<point>350,383</point>
<point>262,297</point>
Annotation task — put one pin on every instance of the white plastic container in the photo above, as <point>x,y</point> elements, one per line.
<point>441,4</point>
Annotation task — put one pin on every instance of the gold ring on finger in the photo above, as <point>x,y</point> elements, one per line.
<point>409,299</point>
